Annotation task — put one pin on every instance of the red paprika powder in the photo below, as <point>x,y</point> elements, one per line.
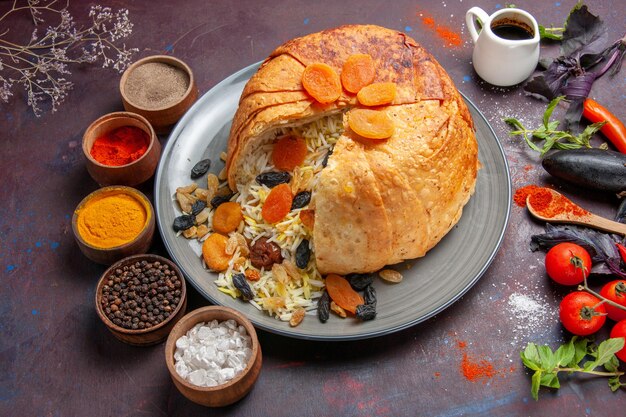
<point>545,203</point>
<point>120,146</point>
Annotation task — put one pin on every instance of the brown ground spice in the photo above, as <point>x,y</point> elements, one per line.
<point>155,85</point>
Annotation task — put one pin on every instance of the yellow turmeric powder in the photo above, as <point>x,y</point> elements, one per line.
<point>111,220</point>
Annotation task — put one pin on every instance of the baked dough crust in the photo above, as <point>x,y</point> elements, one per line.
<point>377,202</point>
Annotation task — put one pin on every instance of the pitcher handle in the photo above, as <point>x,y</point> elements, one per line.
<point>470,20</point>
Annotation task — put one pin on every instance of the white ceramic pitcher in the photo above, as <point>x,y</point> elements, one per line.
<point>500,61</point>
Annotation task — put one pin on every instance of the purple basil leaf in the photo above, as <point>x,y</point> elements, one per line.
<point>574,112</point>
<point>584,33</point>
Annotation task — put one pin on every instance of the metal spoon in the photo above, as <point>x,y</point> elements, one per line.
<point>589,219</point>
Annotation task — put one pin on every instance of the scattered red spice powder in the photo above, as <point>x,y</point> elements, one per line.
<point>437,374</point>
<point>445,33</point>
<point>476,370</point>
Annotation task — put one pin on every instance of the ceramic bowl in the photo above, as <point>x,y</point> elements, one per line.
<point>148,336</point>
<point>130,174</point>
<point>161,118</point>
<point>108,255</point>
<point>229,392</point>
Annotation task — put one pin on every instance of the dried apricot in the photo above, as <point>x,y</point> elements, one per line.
<point>307,217</point>
<point>277,204</point>
<point>341,292</point>
<point>227,217</point>
<point>371,124</point>
<point>214,252</point>
<point>289,152</point>
<point>357,72</point>
<point>321,82</point>
<point>377,94</point>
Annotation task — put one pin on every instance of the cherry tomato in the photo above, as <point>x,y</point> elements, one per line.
<point>616,292</point>
<point>619,330</point>
<point>581,313</point>
<point>563,263</point>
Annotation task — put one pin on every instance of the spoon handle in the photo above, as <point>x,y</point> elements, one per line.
<point>607,225</point>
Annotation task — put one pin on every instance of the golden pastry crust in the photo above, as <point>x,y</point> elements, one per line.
<point>377,202</point>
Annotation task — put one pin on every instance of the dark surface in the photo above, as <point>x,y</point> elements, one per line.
<point>58,359</point>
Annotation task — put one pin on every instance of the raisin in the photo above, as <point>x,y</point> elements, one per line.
<point>183,222</point>
<point>303,254</point>
<point>325,160</point>
<point>301,199</point>
<point>197,207</point>
<point>369,295</point>
<point>272,179</point>
<point>360,281</point>
<point>323,307</point>
<point>264,254</point>
<point>239,281</point>
<point>366,311</point>
<point>200,168</point>
<point>220,199</point>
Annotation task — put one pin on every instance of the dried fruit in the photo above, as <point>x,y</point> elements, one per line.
<point>200,168</point>
<point>390,275</point>
<point>239,281</point>
<point>273,303</point>
<point>202,230</point>
<point>264,254</point>
<point>357,72</point>
<point>341,292</point>
<point>203,216</point>
<point>323,307</point>
<point>370,124</point>
<point>291,270</point>
<point>301,199</point>
<point>214,252</point>
<point>220,199</point>
<point>197,207</point>
<point>273,178</point>
<point>227,217</point>
<point>366,311</point>
<point>360,281</point>
<point>277,204</point>
<point>303,254</point>
<point>297,317</point>
<point>289,152</point>
<point>321,82</point>
<point>325,160</point>
<point>213,183</point>
<point>252,275</point>
<point>369,295</point>
<point>185,201</point>
<point>307,217</point>
<point>187,189</point>
<point>190,233</point>
<point>183,222</point>
<point>377,94</point>
<point>335,308</point>
<point>279,273</point>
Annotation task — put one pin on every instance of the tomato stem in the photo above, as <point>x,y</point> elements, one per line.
<point>578,263</point>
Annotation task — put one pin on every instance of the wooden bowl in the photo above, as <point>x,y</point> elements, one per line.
<point>161,118</point>
<point>131,174</point>
<point>140,244</point>
<point>231,391</point>
<point>152,335</point>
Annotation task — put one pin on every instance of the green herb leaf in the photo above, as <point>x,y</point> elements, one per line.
<point>614,383</point>
<point>549,379</point>
<point>564,354</point>
<point>606,351</point>
<point>536,383</point>
<point>530,357</point>
<point>551,33</point>
<point>580,347</point>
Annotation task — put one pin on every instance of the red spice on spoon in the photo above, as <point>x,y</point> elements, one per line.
<point>546,203</point>
<point>120,146</point>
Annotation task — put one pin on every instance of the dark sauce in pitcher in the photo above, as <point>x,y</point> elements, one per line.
<point>512,30</point>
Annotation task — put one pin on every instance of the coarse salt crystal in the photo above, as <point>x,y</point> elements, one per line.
<point>212,353</point>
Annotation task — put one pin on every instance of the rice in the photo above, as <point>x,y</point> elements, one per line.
<point>280,299</point>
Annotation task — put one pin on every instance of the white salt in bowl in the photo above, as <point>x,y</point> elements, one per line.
<point>231,391</point>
